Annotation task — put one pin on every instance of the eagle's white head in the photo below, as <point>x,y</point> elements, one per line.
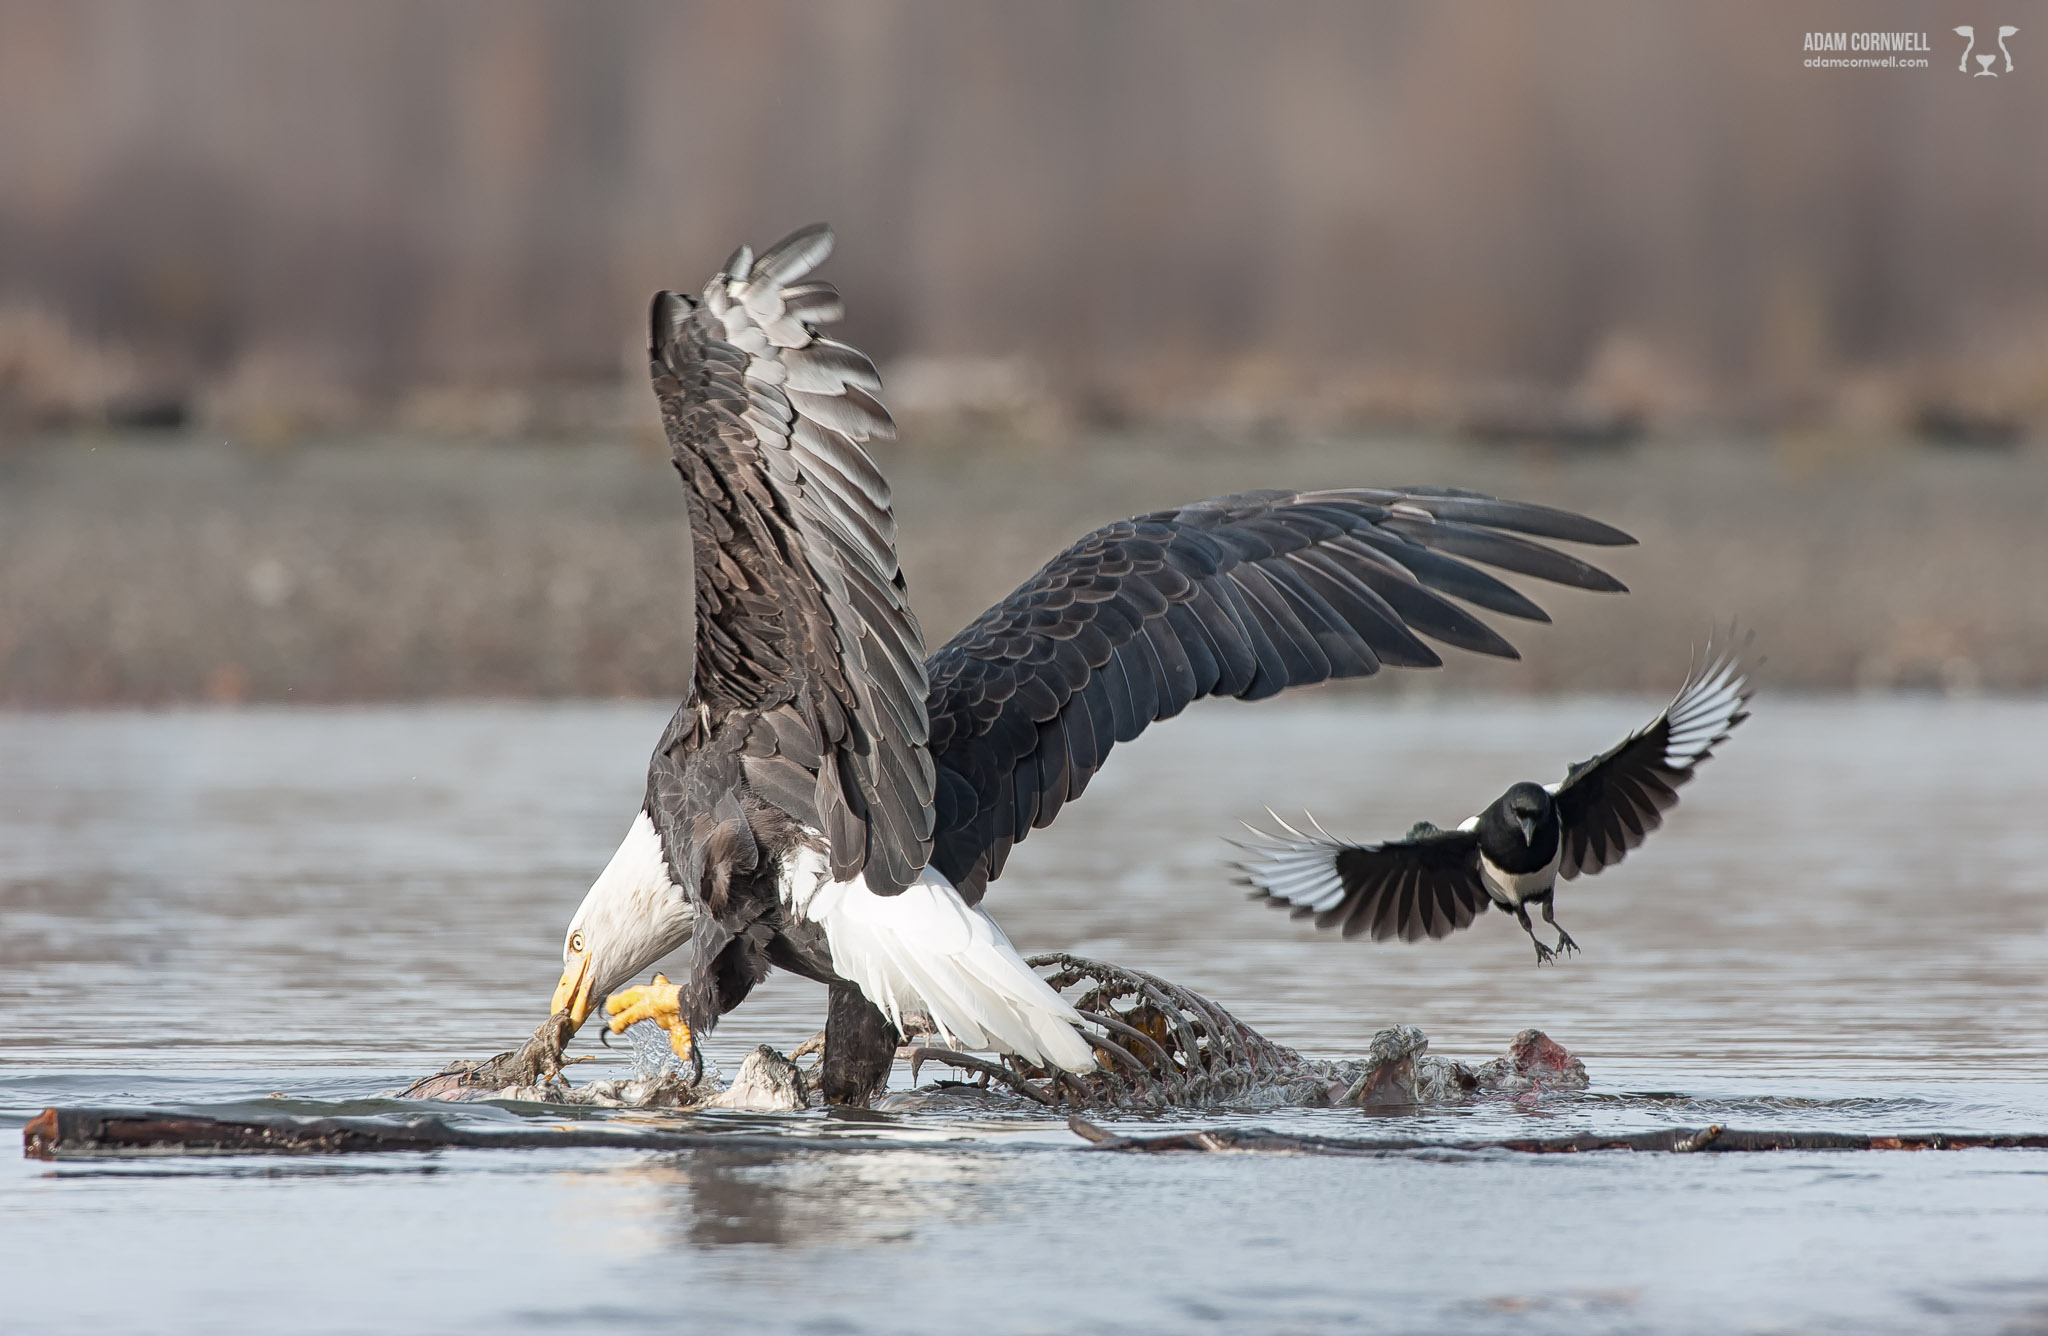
<point>633,916</point>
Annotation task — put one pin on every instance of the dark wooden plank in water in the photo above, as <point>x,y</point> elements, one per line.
<point>96,1133</point>
<point>1676,1140</point>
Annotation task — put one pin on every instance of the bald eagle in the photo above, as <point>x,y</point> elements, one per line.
<point>832,801</point>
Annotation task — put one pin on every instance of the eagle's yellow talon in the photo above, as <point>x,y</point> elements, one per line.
<point>660,1002</point>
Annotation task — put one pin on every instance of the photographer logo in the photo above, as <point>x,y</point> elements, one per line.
<point>1987,58</point>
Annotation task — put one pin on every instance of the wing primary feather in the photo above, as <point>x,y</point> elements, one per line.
<point>1611,803</point>
<point>1508,552</point>
<point>792,257</point>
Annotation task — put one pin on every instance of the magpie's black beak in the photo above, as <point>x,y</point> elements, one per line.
<point>1528,824</point>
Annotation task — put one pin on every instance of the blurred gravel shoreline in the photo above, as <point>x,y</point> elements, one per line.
<point>166,569</point>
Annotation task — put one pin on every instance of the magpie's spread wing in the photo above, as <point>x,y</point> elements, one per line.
<point>799,614</point>
<point>1426,885</point>
<point>1238,596</point>
<point>1608,804</point>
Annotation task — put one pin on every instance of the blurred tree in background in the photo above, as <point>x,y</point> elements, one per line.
<point>1336,212</point>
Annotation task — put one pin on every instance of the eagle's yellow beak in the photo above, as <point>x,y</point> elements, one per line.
<point>573,993</point>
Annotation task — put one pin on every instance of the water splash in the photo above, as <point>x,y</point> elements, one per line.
<point>653,1057</point>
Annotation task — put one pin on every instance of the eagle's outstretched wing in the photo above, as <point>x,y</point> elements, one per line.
<point>1608,805</point>
<point>1426,885</point>
<point>1238,596</point>
<point>800,616</point>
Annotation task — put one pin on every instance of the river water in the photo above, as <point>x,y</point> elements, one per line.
<point>1844,926</point>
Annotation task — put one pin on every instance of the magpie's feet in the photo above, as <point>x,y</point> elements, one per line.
<point>1565,944</point>
<point>1544,955</point>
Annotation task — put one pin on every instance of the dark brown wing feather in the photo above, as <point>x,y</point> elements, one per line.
<point>1239,596</point>
<point>799,609</point>
<point>1610,804</point>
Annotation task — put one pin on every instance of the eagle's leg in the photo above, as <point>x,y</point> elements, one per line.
<point>662,1003</point>
<point>1564,939</point>
<point>860,1046</point>
<point>1544,955</point>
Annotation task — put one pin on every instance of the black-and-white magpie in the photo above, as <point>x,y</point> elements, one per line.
<point>1433,882</point>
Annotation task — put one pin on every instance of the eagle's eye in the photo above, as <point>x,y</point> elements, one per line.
<point>576,943</point>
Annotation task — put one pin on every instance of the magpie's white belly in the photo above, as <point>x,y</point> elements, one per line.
<point>1511,888</point>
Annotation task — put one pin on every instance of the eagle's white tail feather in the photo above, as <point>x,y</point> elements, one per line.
<point>927,950</point>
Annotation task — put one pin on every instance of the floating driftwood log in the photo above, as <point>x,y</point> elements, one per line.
<point>99,1133</point>
<point>57,1134</point>
<point>1676,1140</point>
